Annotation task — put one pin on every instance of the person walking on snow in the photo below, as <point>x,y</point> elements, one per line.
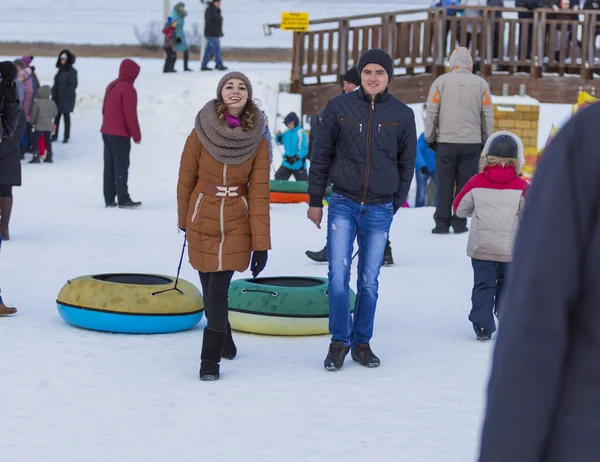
<point>63,92</point>
<point>460,117</point>
<point>119,125</point>
<point>295,145</point>
<point>424,168</point>
<point>213,31</point>
<point>366,147</point>
<point>178,14</point>
<point>43,112</point>
<point>11,126</point>
<point>5,310</point>
<point>170,44</point>
<point>495,199</point>
<point>223,205</point>
<point>542,398</point>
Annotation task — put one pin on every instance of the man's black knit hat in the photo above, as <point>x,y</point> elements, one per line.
<point>377,56</point>
<point>352,76</point>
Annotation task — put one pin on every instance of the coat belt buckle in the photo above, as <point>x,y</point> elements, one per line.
<point>227,191</point>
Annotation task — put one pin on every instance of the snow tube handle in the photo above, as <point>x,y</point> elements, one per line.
<point>274,294</point>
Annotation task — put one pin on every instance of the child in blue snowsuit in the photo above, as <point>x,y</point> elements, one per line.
<point>424,168</point>
<point>295,143</point>
<point>4,310</point>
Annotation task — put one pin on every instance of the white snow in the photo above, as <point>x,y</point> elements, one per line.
<point>515,99</point>
<point>73,395</point>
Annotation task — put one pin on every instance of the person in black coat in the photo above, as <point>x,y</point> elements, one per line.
<point>213,31</point>
<point>10,172</point>
<point>63,92</point>
<point>543,395</point>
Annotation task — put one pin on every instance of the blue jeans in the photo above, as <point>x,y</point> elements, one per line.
<point>488,283</point>
<point>213,46</point>
<point>422,187</point>
<point>371,223</point>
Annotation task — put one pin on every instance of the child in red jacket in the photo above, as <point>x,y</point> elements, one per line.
<point>495,199</point>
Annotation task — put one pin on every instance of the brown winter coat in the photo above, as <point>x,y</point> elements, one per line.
<point>222,232</point>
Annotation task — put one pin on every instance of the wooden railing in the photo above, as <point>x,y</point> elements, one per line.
<point>421,40</point>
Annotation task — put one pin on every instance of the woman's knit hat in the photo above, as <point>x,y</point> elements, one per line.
<point>352,76</point>
<point>234,75</point>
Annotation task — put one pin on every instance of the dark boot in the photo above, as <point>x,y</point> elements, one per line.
<point>212,351</point>
<point>35,159</point>
<point>388,259</point>
<point>5,210</point>
<point>336,355</point>
<point>482,333</point>
<point>229,349</point>
<point>320,256</point>
<point>441,226</point>
<point>186,58</point>
<point>364,355</point>
<point>48,158</point>
<point>459,224</point>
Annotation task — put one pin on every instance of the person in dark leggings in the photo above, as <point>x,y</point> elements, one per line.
<point>223,205</point>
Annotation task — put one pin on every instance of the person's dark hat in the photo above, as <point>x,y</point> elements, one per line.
<point>377,56</point>
<point>352,76</point>
<point>504,146</point>
<point>292,117</point>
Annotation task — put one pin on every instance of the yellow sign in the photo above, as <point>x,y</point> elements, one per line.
<point>297,22</point>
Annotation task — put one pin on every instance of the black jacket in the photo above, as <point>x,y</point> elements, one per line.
<point>9,113</point>
<point>10,154</point>
<point>213,22</point>
<point>544,391</point>
<point>65,83</point>
<point>366,149</point>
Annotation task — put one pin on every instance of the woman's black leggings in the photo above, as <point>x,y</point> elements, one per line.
<point>215,287</point>
<point>5,190</point>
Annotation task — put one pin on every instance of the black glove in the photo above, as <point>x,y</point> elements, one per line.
<point>424,170</point>
<point>258,263</point>
<point>289,159</point>
<point>432,146</point>
<point>178,40</point>
<point>8,71</point>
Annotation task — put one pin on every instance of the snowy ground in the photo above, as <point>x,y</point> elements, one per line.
<point>75,395</point>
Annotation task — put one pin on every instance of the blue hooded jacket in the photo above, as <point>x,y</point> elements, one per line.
<point>295,142</point>
<point>425,156</point>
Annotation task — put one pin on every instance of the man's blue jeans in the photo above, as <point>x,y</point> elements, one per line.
<point>371,223</point>
<point>213,46</point>
<point>422,180</point>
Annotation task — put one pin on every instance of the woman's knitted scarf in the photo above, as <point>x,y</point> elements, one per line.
<point>231,146</point>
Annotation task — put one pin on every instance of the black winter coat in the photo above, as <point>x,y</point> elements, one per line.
<point>213,22</point>
<point>10,154</point>
<point>65,83</point>
<point>544,391</point>
<point>366,149</point>
<point>9,113</point>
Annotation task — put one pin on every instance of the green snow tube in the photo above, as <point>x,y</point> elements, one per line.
<point>281,305</point>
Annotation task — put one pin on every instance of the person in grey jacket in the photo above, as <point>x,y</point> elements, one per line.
<point>495,199</point>
<point>460,117</point>
<point>542,401</point>
<point>43,111</point>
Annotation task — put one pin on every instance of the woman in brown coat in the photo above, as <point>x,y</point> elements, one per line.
<point>223,205</point>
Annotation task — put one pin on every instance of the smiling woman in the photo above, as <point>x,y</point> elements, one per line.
<point>223,205</point>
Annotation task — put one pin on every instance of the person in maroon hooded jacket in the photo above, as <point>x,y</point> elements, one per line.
<point>119,125</point>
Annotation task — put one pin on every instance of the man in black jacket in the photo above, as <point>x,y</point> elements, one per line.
<point>366,147</point>
<point>543,396</point>
<point>213,31</point>
<point>9,104</point>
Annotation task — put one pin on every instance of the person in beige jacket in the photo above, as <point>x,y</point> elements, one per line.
<point>495,199</point>
<point>460,117</point>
